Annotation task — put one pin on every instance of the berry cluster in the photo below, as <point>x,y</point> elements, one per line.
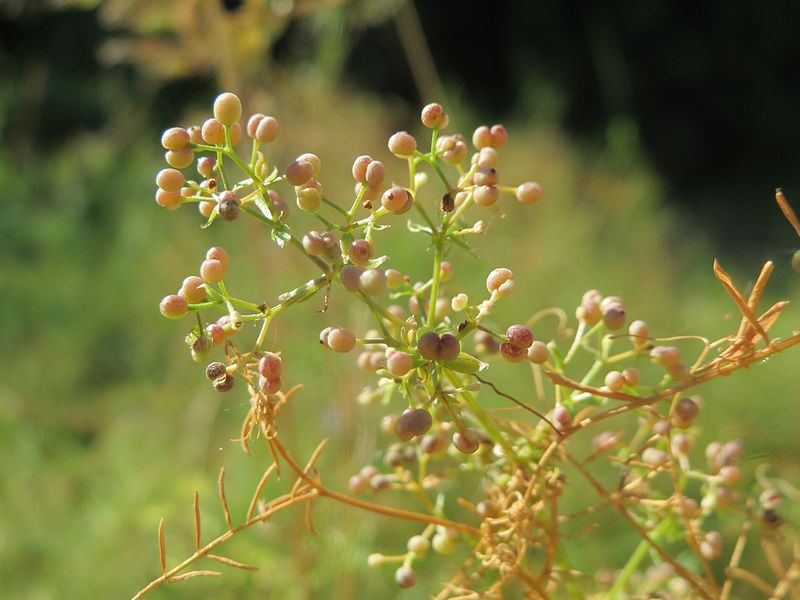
<point>429,375</point>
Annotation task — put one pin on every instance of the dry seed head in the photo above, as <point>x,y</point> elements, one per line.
<point>341,340</point>
<point>170,180</point>
<point>529,192</point>
<point>213,132</point>
<point>500,280</point>
<point>192,289</point>
<point>168,200</point>
<point>267,130</point>
<point>174,306</point>
<point>175,138</point>
<point>215,370</point>
<point>227,108</point>
<point>402,144</point>
<point>433,115</point>
<point>537,353</point>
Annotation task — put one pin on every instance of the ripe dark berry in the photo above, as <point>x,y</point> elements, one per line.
<point>519,336</point>
<point>412,423</point>
<point>428,346</point>
<point>229,209</point>
<point>215,370</point>
<point>224,384</point>
<point>513,353</point>
<point>449,347</point>
<point>467,441</point>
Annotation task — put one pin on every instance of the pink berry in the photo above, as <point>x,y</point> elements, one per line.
<point>175,138</point>
<point>614,317</point>
<point>375,173</point>
<point>486,195</point>
<point>174,306</point>
<point>267,130</point>
<point>299,172</point>
<point>213,132</point>
<point>179,159</point>
<point>350,276</point>
<point>666,356</point>
<point>467,441</point>
<point>529,192</point>
<point>513,353</point>
<point>218,253</point>
<point>482,137</point>
<point>270,365</point>
<point>399,363</point>
<point>538,353</point>
<point>402,144</point>
<point>395,198</point>
<point>499,136</point>
<point>212,271</point>
<point>227,108</point>
<point>192,289</point>
<point>341,340</point>
<point>360,166</point>
<point>372,282</point>
<point>519,336</point>
<point>170,180</point>
<point>486,176</point>
<point>268,385</point>
<point>252,124</point>
<point>360,252</point>
<point>205,166</point>
<point>168,200</point>
<point>433,115</point>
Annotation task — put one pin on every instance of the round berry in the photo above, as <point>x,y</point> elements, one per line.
<point>313,244</point>
<point>212,271</point>
<point>631,376</point>
<point>174,306</point>
<point>394,278</point>
<point>299,172</point>
<point>428,346</point>
<point>168,200</point>
<point>180,159</point>
<point>213,132</point>
<point>416,421</point>
<point>399,363</point>
<point>170,180</point>
<point>654,457</point>
<point>309,198</point>
<point>192,289</point>
<point>229,209</point>
<point>175,138</point>
<point>215,370</point>
<point>360,165</point>
<point>487,157</point>
<point>350,276</point>
<point>418,545</point>
<point>639,333</point>
<point>405,577</point>
<point>614,381</point>
<point>529,192</point>
<point>486,195</point>
<point>267,130</point>
<point>373,282</point>
<point>449,347</point>
<point>360,252</point>
<point>513,353</point>
<point>402,144</point>
<point>218,253</point>
<point>269,386</point>
<point>432,115</point>
<point>270,365</point>
<point>614,316</point>
<point>499,136</point>
<point>313,160</point>
<point>519,336</point>
<point>394,199</point>
<point>252,124</point>
<point>537,353</point>
<point>666,356</point>
<point>466,441</point>
<point>500,280</point>
<point>687,409</point>
<point>224,384</point>
<point>227,108</point>
<point>443,543</point>
<point>561,418</point>
<point>485,176</point>
<point>341,340</point>
<point>482,137</point>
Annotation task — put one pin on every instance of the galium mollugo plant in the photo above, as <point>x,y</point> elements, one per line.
<point>431,352</point>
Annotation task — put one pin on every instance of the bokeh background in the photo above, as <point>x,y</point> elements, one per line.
<point>659,132</point>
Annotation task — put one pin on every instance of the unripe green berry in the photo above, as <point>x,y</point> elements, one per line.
<point>529,192</point>
<point>227,108</point>
<point>308,198</point>
<point>267,130</point>
<point>170,180</point>
<point>175,138</point>
<point>402,144</point>
<point>443,543</point>
<point>174,306</point>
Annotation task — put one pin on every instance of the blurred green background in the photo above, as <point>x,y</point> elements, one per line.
<point>106,424</point>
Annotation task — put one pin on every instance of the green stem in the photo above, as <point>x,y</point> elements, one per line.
<point>437,268</point>
<point>633,562</point>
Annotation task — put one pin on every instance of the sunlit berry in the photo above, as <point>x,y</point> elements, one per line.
<point>418,545</point>
<point>501,281</point>
<point>179,159</point>
<point>770,499</point>
<point>395,198</point>
<point>205,166</point>
<point>432,444</point>
<point>486,342</point>
<point>487,158</point>
<point>252,124</point>
<point>466,441</point>
<point>213,132</point>
<point>227,108</point>
<point>486,195</point>
<point>212,271</point>
<point>309,198</point>
<point>168,200</point>
<point>192,289</point>
<point>453,148</point>
<point>341,340</point>
<point>313,160</point>
<point>216,333</point>
<point>589,312</point>
<point>529,192</point>
<point>711,546</point>
<point>519,336</point>
<point>432,115</point>
<point>218,253</point>
<point>267,130</point>
<point>228,207</point>
<point>375,173</point>
<point>313,244</point>
<point>350,276</point>
<point>299,172</point>
<point>459,302</point>
<point>499,136</point>
<point>513,353</point>
<point>175,138</point>
<point>482,137</point>
<point>174,306</point>
<point>360,165</point>
<point>170,180</point>
<point>270,365</point>
<point>402,144</point>
<point>682,444</point>
<point>399,363</point>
